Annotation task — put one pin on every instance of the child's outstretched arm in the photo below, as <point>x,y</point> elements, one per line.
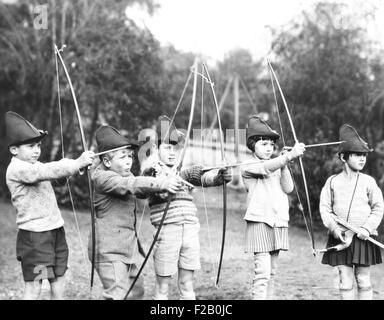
<point>198,177</point>
<point>216,177</point>
<point>113,183</point>
<point>268,166</point>
<point>30,173</point>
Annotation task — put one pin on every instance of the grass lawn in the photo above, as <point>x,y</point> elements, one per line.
<point>300,276</point>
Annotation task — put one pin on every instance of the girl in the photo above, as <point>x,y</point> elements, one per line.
<point>268,183</point>
<point>353,197</point>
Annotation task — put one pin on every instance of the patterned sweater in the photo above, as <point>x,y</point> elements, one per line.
<point>267,185</point>
<point>181,208</point>
<point>32,193</point>
<point>367,204</point>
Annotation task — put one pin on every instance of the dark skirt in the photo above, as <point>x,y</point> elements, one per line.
<point>360,252</point>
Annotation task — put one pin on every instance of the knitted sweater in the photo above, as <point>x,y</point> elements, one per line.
<point>267,187</point>
<point>367,205</point>
<point>32,193</point>
<point>181,208</point>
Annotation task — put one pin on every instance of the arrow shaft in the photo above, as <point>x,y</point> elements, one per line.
<point>319,144</point>
<point>355,230</point>
<point>111,150</point>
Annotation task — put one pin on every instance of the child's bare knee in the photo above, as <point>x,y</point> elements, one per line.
<point>363,278</point>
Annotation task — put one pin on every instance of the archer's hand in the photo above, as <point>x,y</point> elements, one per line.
<point>171,184</point>
<point>283,151</point>
<point>363,234</point>
<point>297,151</point>
<point>338,234</point>
<point>86,159</point>
<point>226,174</point>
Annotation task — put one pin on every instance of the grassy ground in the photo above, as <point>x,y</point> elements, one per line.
<point>301,276</point>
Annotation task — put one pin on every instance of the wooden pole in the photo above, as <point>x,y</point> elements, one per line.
<point>236,107</point>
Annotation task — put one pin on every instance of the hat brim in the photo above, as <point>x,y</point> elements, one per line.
<point>255,133</point>
<point>348,147</point>
<point>43,134</point>
<point>133,145</point>
<point>356,150</point>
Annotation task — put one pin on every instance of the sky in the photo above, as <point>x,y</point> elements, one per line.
<point>214,27</point>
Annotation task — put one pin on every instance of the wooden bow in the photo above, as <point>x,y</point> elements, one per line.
<point>273,76</point>
<point>90,188</point>
<point>211,85</point>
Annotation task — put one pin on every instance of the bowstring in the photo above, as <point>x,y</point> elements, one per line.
<point>289,166</point>
<point>178,104</point>
<point>63,156</point>
<point>202,185</point>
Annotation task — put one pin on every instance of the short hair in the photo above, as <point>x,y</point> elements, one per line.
<point>347,154</point>
<point>108,155</point>
<point>344,155</point>
<point>252,141</point>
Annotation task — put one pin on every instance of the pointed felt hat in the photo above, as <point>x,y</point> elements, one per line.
<point>109,138</point>
<point>20,131</point>
<point>258,127</point>
<point>352,141</point>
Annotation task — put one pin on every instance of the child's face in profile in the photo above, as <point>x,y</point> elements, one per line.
<point>264,149</point>
<point>29,152</point>
<point>120,162</point>
<point>356,161</point>
<point>168,153</point>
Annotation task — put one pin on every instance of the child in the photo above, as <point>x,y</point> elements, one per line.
<point>268,183</point>
<point>353,197</point>
<point>177,248</point>
<point>41,245</point>
<point>115,204</point>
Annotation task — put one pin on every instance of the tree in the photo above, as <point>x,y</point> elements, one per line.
<point>114,65</point>
<point>326,65</point>
<point>240,63</point>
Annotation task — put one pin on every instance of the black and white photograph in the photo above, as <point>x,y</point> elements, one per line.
<point>210,151</point>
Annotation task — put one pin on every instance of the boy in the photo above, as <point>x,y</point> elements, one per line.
<point>177,248</point>
<point>115,204</point>
<point>354,197</point>
<point>41,245</point>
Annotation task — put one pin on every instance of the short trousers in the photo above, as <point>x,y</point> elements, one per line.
<point>43,255</point>
<point>117,278</point>
<point>177,246</point>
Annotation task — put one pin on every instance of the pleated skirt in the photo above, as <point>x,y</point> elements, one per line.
<point>260,237</point>
<point>360,252</point>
